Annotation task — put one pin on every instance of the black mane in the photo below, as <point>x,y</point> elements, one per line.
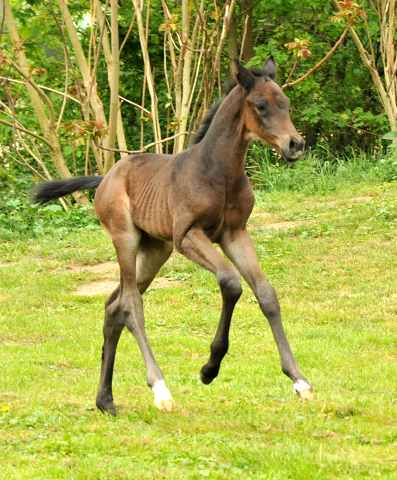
<point>205,123</point>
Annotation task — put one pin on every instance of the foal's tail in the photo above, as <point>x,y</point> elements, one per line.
<point>47,191</point>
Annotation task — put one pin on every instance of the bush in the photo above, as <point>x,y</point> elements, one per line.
<point>319,171</point>
<point>20,219</point>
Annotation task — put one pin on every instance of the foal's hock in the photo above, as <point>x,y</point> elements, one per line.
<point>150,203</point>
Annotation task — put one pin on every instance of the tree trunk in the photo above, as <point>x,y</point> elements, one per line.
<point>122,144</point>
<point>114,73</point>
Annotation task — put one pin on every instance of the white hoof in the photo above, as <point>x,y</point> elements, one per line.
<point>304,391</point>
<point>162,397</point>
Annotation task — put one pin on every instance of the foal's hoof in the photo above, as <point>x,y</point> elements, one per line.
<point>204,379</point>
<point>107,408</point>
<point>304,391</point>
<point>306,395</point>
<point>165,406</point>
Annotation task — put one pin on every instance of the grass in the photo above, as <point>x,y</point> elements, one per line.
<point>333,265</point>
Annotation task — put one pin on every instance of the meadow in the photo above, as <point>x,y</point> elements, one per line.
<point>326,239</point>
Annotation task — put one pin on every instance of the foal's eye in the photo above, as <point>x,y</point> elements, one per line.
<point>260,108</point>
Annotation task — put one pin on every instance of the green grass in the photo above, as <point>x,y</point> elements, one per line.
<point>334,268</point>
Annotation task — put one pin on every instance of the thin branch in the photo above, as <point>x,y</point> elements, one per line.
<point>244,35</point>
<point>292,71</point>
<point>228,9</point>
<point>66,89</point>
<point>66,52</point>
<point>38,90</point>
<point>202,22</point>
<point>368,32</point>
<point>184,44</point>
<point>375,8</point>
<point>167,80</point>
<point>2,20</point>
<point>42,139</point>
<point>24,162</point>
<point>92,80</point>
<point>44,88</point>
<point>226,5</point>
<point>135,104</point>
<point>40,162</point>
<point>320,62</point>
<point>143,149</point>
<point>128,33</point>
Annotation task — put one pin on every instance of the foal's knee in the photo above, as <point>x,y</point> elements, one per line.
<point>230,283</point>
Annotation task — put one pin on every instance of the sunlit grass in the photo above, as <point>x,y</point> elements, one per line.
<point>333,264</point>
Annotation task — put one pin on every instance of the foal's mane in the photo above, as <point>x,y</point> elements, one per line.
<point>205,123</point>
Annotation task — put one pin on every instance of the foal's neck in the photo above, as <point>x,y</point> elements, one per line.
<point>225,145</point>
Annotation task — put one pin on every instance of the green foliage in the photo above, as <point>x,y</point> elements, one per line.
<point>327,108</point>
<point>339,97</point>
<point>19,219</point>
<point>391,136</point>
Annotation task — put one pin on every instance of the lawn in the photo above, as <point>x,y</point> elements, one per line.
<point>332,257</point>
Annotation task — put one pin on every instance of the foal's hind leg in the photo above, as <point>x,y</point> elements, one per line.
<point>152,255</point>
<point>112,329</point>
<point>140,259</point>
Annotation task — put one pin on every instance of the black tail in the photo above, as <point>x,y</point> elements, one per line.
<point>47,191</point>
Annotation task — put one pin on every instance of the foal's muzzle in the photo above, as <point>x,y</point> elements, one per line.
<point>294,149</point>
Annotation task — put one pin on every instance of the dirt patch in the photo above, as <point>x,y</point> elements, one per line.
<point>163,282</point>
<point>106,287</point>
<point>278,225</point>
<point>106,267</point>
<point>259,214</point>
<point>285,224</point>
<point>6,340</point>
<point>8,264</point>
<point>360,199</point>
<point>8,395</point>
<point>96,288</point>
<point>334,203</point>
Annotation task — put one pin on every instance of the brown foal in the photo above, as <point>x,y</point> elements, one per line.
<point>148,203</point>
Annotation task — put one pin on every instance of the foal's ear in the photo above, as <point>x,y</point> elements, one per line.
<point>269,69</point>
<point>243,76</point>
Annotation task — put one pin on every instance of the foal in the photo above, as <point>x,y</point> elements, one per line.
<point>148,203</point>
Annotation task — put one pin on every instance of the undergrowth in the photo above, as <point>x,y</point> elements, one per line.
<point>319,172</point>
<point>20,219</point>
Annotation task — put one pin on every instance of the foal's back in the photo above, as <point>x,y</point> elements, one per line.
<point>139,184</point>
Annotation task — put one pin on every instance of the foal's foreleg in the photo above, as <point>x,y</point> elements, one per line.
<point>239,248</point>
<point>196,246</point>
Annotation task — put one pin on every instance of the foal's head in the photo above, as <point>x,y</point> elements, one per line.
<point>267,112</point>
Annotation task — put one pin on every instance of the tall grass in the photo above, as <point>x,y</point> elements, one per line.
<point>319,171</point>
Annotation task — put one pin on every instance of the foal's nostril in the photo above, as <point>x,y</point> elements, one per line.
<point>293,144</point>
<point>296,145</point>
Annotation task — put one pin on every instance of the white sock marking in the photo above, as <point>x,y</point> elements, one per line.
<point>161,392</point>
<point>301,385</point>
